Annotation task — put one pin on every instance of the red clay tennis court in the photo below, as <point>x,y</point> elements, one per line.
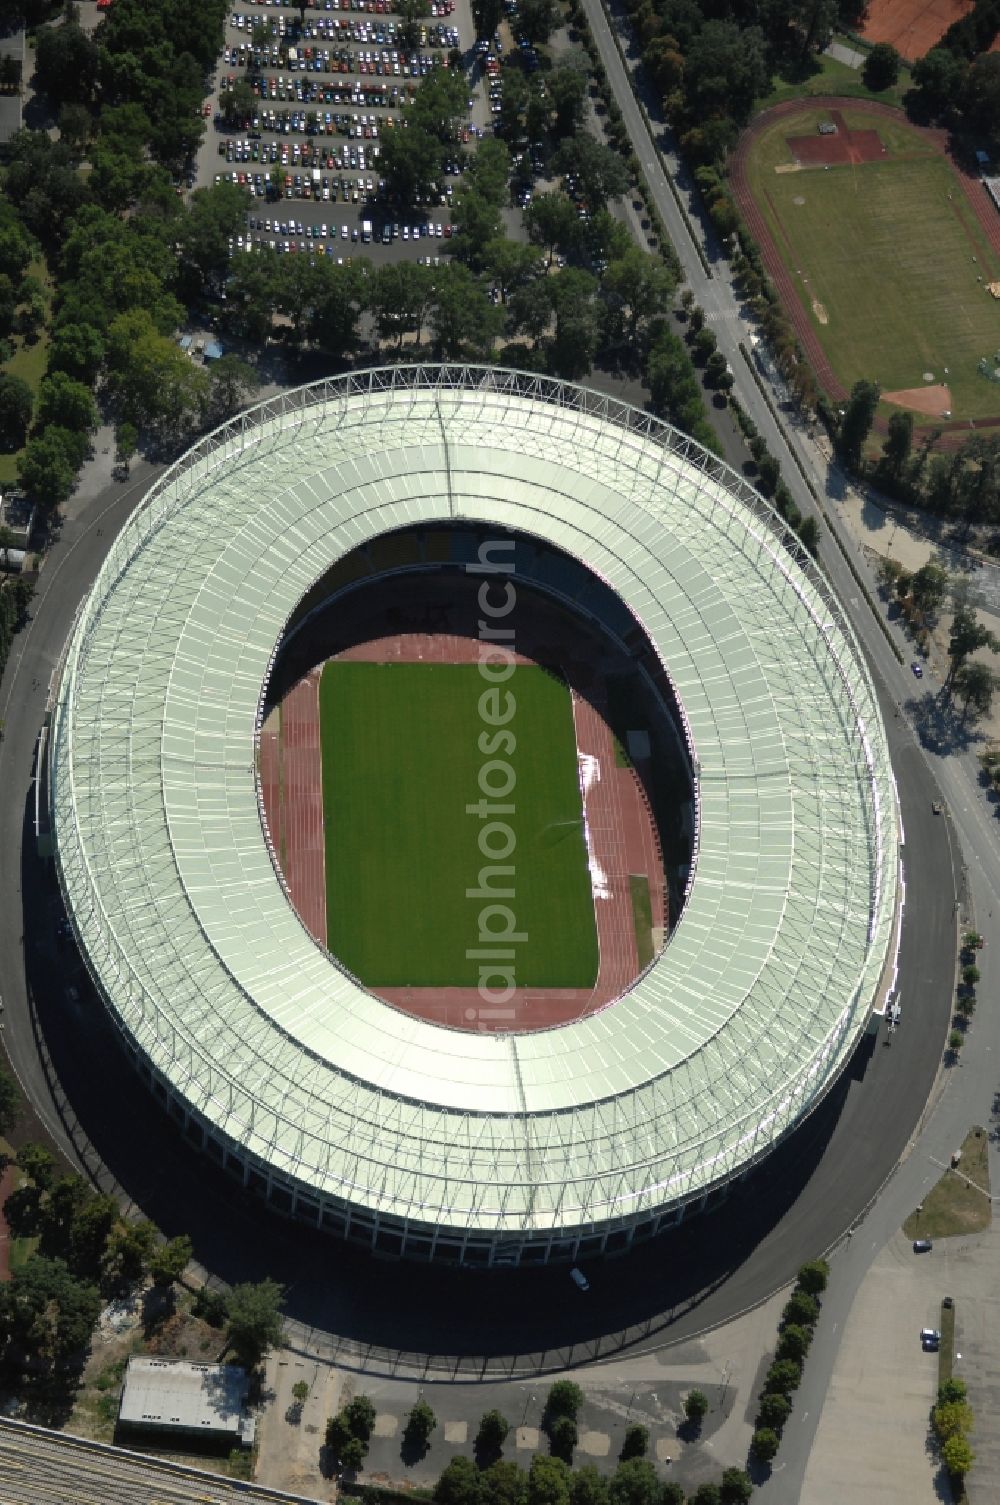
<point>913,27</point>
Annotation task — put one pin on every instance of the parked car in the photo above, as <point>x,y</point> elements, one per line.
<point>579,1279</point>
<point>923,1245</point>
<point>918,670</point>
<point>930,1339</point>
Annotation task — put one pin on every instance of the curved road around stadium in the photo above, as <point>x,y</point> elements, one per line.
<point>441,1320</point>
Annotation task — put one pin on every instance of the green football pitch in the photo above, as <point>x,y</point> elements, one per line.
<point>887,258</point>
<point>401,761</point>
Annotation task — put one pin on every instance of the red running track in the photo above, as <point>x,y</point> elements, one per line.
<point>301,804</point>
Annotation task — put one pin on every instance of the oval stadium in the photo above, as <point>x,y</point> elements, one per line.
<point>511,1074</point>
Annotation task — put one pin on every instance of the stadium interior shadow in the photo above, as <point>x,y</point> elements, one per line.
<point>341,1290</point>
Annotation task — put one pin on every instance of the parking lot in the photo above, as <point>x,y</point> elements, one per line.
<point>325,95</point>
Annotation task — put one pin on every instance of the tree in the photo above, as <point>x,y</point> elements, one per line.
<point>214,216</point>
<point>635,1443</point>
<point>975,684</point>
<point>813,1277</point>
<point>794,1342</point>
<point>353,1454</point>
<point>232,384</point>
<point>170,1260</point>
<point>462,317</point>
<point>956,1040</point>
<point>420,1423</point>
<point>538,19</point>
<point>801,1308</point>
<point>46,1313</point>
<point>567,86</point>
<point>552,221</point>
<point>951,1390</point>
<point>980,96</point>
<point>855,426</point>
<point>967,636</point>
<point>503,1483</point>
<point>486,16</point>
<point>641,285</point>
<point>599,171</point>
<point>401,293</point>
<point>634,1482</point>
<point>38,1165</point>
<point>89,1233</point>
<point>896,449</point>
<point>477,223</point>
<point>696,1406</point>
<point>493,1432</point>
<point>488,172</point>
<point>809,535</point>
<point>67,403</point>
<point>928,586</point>
<point>16,403</point>
<point>764,1444</point>
<point>706,1494</point>
<point>774,1411</point>
<point>938,79</point>
<point>75,125</point>
<point>253,1320</point>
<point>588,1487</point>
<point>300,1393</point>
<point>548,1479</point>
<point>881,68</point>
<point>563,1437</point>
<point>674,388</point>
<point>46,470</point>
<point>127,1253</point>
<point>958,1456</point>
<point>411,162</point>
<point>458,1484</point>
<point>577,332</point>
<point>359,1413</point>
<point>126,444</point>
<point>66,62</point>
<point>717,373</point>
<point>784,1376</point>
<point>725,71</point>
<point>77,349</point>
<point>10,1096</point>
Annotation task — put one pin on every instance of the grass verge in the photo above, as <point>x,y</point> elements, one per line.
<point>960,1201</point>
<point>642,916</point>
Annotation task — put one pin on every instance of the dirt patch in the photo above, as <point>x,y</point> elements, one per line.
<point>935,401</point>
<point>820,312</point>
<point>789,167</point>
<point>913,27</point>
<point>840,149</point>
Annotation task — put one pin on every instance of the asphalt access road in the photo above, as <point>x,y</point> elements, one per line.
<point>341,1301</point>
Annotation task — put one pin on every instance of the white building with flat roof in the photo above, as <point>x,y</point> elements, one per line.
<point>186,1399</point>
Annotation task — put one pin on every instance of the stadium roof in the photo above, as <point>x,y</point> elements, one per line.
<point>767,981</point>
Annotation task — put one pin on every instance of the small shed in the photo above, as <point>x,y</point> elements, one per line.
<point>186,1399</point>
<point>18,514</point>
<point>213,350</point>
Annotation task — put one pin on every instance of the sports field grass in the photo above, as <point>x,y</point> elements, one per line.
<point>882,258</point>
<point>401,761</point>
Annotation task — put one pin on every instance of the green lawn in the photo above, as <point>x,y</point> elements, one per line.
<point>28,362</point>
<point>889,254</point>
<point>401,761</point>
<point>825,75</point>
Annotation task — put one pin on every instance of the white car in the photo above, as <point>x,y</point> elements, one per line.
<point>579,1279</point>
<point>344,232</point>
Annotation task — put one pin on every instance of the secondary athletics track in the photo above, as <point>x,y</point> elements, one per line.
<point>779,273</point>
<point>623,839</point>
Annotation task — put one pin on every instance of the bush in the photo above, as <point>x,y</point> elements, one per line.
<point>459,1484</point>
<point>707,1494</point>
<point>814,1276</point>
<point>695,1406</point>
<point>494,1429</point>
<point>956,1040</point>
<point>794,1342</point>
<point>564,1399</point>
<point>774,1411</point>
<point>970,976</point>
<point>359,1415</point>
<point>563,1437</point>
<point>951,1390</point>
<point>784,1376</point>
<point>958,1456</point>
<point>764,1444</point>
<point>801,1309</point>
<point>420,1423</point>
<point>736,1487</point>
